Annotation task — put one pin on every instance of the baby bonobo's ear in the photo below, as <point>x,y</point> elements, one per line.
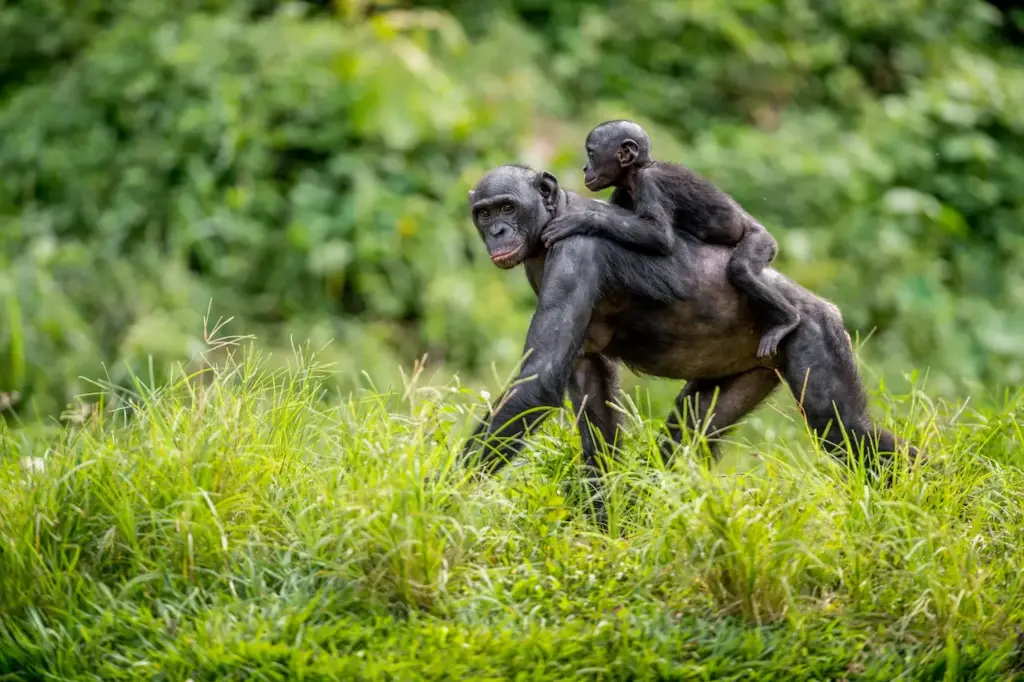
<point>471,195</point>
<point>547,185</point>
<point>627,152</point>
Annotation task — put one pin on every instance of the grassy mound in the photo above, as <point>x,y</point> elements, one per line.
<point>242,524</point>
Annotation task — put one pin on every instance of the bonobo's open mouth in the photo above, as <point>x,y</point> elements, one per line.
<point>508,258</point>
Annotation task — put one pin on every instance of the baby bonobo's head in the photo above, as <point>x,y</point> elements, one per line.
<point>615,149</point>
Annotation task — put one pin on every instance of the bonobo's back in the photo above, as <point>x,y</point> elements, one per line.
<point>697,201</point>
<point>683,274</point>
<point>693,270</point>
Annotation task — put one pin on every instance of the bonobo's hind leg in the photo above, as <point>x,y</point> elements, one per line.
<point>752,255</point>
<point>820,369</point>
<point>594,384</point>
<point>737,396</point>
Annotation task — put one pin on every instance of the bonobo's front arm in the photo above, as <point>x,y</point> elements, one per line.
<point>566,300</point>
<point>647,228</point>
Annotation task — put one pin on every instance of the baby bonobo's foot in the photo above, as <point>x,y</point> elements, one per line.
<point>560,228</point>
<point>772,337</point>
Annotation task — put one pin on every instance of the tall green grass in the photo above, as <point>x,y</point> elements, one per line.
<point>243,524</point>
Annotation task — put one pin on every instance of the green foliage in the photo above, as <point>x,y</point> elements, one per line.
<point>236,527</point>
<point>304,167</point>
<point>881,143</point>
<point>289,168</point>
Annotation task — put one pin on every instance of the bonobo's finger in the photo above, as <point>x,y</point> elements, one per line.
<point>552,235</point>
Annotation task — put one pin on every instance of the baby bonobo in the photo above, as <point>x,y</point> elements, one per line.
<point>670,199</point>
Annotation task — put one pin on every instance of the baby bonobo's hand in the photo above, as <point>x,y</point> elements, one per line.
<point>562,227</point>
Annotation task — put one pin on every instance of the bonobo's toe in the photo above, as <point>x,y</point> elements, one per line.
<point>769,345</point>
<point>916,456</point>
<point>771,339</point>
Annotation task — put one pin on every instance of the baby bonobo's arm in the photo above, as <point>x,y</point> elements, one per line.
<point>651,234</point>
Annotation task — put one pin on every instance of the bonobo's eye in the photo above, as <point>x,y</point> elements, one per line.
<point>507,208</point>
<point>483,213</point>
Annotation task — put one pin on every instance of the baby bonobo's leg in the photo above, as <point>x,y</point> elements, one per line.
<point>752,254</point>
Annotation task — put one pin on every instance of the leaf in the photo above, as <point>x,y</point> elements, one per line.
<point>907,201</point>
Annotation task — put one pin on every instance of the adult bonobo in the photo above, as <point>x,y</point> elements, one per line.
<point>676,316</point>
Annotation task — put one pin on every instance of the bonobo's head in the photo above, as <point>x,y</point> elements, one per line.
<point>510,207</point>
<point>614,149</point>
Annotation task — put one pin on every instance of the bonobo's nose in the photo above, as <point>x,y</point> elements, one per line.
<point>499,230</point>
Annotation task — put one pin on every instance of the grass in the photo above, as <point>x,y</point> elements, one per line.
<point>244,525</point>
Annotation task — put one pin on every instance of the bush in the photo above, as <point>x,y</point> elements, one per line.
<point>882,145</point>
<point>291,168</point>
<point>306,170</point>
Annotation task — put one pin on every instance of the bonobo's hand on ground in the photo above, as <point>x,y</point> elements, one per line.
<point>563,227</point>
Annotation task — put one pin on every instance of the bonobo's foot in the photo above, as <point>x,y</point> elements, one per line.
<point>772,337</point>
<point>600,516</point>
<point>669,447</point>
<point>881,461</point>
<point>560,228</point>
<point>667,450</point>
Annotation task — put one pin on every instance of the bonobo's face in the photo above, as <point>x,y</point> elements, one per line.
<point>603,168</point>
<point>510,207</point>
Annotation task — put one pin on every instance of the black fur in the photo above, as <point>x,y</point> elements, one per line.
<point>672,200</point>
<point>675,316</point>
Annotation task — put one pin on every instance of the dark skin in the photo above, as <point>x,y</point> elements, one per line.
<point>676,316</point>
<point>671,199</point>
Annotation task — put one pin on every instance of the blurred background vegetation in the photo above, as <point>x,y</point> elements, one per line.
<point>304,166</point>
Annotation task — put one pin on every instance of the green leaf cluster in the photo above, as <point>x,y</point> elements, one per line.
<point>304,166</point>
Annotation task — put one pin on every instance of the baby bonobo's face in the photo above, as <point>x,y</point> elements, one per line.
<point>603,169</point>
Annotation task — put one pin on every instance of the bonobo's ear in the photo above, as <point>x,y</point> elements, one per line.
<point>471,194</point>
<point>627,152</point>
<point>547,185</point>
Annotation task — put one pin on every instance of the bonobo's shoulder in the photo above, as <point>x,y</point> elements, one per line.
<point>575,203</point>
<point>577,257</point>
<point>578,204</point>
<point>574,247</point>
